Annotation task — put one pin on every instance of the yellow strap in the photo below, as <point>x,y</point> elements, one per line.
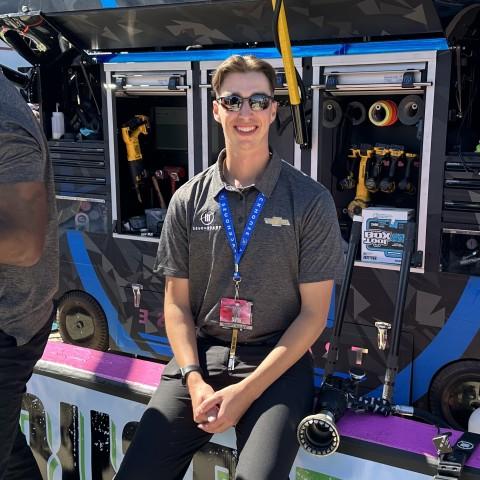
<point>286,51</point>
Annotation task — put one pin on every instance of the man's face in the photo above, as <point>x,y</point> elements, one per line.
<point>245,129</point>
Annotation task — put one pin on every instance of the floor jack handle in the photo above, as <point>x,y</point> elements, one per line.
<point>393,354</point>
<point>332,355</point>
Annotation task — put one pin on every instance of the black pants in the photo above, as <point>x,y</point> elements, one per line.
<point>167,437</point>
<point>16,367</point>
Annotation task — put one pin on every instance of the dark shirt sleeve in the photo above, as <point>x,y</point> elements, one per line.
<point>21,158</point>
<point>321,244</point>
<point>173,251</point>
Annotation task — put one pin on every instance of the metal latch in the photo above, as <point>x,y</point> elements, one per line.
<point>448,470</point>
<point>408,79</point>
<point>382,334</point>
<point>136,289</point>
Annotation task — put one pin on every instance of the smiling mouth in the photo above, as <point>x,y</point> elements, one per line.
<point>246,129</point>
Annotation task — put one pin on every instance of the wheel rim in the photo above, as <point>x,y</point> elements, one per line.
<point>460,399</point>
<point>79,324</point>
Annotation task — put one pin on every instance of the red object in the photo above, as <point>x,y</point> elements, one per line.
<point>175,174</point>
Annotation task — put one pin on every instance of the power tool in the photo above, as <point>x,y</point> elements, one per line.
<point>362,195</point>
<point>130,133</point>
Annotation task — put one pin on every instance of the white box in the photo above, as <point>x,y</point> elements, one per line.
<point>383,234</point>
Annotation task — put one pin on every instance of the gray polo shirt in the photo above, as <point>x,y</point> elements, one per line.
<point>296,240</point>
<point>26,292</point>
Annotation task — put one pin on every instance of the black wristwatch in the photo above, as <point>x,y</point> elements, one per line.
<point>189,369</point>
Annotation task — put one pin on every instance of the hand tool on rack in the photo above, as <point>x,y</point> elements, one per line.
<point>156,186</point>
<point>349,182</point>
<point>387,185</point>
<point>405,184</point>
<point>131,130</point>
<point>175,174</point>
<point>381,154</point>
<point>362,195</point>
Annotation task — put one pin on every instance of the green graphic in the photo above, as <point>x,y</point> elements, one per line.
<point>304,474</point>
<point>53,462</point>
<point>82,447</point>
<point>221,473</point>
<point>113,442</point>
<point>24,421</point>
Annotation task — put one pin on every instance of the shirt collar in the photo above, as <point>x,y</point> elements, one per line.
<point>265,183</point>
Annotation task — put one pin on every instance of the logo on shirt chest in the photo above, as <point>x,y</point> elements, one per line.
<point>204,221</point>
<point>277,222</point>
<point>207,217</point>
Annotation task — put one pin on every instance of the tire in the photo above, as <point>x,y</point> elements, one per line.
<point>82,322</point>
<point>455,393</point>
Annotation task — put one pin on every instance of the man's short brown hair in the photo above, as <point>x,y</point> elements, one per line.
<point>242,64</point>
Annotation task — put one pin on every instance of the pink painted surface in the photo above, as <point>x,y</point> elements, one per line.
<point>104,364</point>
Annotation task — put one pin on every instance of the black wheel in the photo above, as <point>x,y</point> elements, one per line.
<point>455,392</point>
<point>81,321</point>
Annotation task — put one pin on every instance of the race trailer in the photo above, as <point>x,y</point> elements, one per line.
<point>391,109</point>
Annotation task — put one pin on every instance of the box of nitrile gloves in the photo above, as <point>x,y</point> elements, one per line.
<point>383,234</point>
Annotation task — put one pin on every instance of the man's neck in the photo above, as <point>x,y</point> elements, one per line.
<point>241,170</point>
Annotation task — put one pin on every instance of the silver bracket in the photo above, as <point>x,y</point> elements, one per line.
<point>136,289</point>
<point>382,334</point>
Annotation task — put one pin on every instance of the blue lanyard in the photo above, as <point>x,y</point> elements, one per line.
<point>247,232</point>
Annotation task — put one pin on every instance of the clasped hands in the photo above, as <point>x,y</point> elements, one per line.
<point>216,412</point>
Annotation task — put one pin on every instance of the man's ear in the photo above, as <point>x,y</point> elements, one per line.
<point>216,116</point>
<point>273,112</point>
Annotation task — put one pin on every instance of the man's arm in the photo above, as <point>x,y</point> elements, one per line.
<point>296,340</point>
<point>23,223</point>
<point>179,321</point>
<point>182,337</point>
<point>294,343</point>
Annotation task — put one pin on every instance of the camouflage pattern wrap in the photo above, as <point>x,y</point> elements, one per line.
<point>145,24</point>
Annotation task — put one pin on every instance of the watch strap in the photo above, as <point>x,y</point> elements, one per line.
<point>185,371</point>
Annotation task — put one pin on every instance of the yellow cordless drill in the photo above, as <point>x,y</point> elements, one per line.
<point>130,132</point>
<point>362,195</point>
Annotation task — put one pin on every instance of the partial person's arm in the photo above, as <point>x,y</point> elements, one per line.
<point>181,334</point>
<point>23,223</point>
<point>234,400</point>
<point>23,196</point>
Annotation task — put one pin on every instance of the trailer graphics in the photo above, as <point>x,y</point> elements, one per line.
<point>392,112</point>
<point>82,432</point>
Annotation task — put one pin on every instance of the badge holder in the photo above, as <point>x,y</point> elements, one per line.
<point>235,315</point>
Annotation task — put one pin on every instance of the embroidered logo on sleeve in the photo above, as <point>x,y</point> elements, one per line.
<point>277,222</point>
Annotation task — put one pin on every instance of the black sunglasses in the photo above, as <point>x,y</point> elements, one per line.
<point>257,102</point>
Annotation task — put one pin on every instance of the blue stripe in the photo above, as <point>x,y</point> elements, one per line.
<point>160,344</point>
<point>108,3</point>
<point>435,44</point>
<point>449,345</point>
<point>331,310</point>
<point>91,284</point>
<point>451,341</point>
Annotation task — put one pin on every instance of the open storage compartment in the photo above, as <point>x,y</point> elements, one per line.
<point>151,146</point>
<point>372,131</point>
<point>281,136</point>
